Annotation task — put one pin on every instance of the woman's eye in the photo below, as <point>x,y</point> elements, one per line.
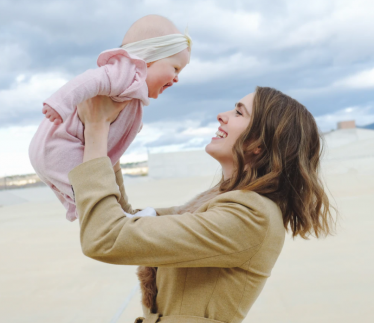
<point>238,112</point>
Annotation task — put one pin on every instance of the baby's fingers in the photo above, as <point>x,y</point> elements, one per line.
<point>57,121</point>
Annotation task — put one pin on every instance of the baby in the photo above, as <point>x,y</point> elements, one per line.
<point>152,55</point>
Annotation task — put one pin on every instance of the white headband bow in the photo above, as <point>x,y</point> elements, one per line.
<point>156,48</point>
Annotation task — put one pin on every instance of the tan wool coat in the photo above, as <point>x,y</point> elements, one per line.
<point>212,264</point>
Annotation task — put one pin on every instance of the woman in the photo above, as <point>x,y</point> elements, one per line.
<point>215,253</point>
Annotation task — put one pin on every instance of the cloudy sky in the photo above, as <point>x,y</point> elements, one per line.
<point>319,52</point>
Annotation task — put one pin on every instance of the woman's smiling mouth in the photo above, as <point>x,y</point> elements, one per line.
<point>220,134</point>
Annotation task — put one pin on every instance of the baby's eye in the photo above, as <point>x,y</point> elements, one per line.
<point>176,69</point>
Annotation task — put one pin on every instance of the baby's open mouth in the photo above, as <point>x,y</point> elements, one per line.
<point>221,134</point>
<point>167,85</point>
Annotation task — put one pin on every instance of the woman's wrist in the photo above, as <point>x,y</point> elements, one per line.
<point>96,140</point>
<point>97,127</point>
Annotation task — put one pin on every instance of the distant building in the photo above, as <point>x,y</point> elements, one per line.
<point>351,124</point>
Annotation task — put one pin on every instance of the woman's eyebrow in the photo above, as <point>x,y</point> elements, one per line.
<point>242,107</point>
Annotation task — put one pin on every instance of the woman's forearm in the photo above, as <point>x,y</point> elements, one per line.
<point>96,140</point>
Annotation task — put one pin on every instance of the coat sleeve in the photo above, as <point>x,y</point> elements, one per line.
<point>228,234</point>
<point>123,199</point>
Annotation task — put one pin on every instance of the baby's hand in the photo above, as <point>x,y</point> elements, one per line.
<point>52,115</point>
<point>148,211</point>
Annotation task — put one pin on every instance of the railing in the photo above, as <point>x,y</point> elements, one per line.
<point>20,181</point>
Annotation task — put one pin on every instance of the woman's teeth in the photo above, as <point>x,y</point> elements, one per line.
<point>221,134</point>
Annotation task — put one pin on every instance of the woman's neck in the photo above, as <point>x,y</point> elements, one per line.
<point>227,170</point>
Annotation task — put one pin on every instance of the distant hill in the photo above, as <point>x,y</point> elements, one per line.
<point>369,126</point>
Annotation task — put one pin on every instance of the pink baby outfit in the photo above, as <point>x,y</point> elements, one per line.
<point>55,150</point>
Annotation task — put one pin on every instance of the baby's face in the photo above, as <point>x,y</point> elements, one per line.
<point>164,73</point>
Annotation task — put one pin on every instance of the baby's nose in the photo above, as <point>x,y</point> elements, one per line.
<point>175,79</point>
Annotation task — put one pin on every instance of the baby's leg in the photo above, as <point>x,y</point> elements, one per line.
<point>52,114</point>
<point>54,151</point>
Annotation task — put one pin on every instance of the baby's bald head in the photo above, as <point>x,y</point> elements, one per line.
<point>149,27</point>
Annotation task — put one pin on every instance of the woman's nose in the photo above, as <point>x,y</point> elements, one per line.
<point>222,118</point>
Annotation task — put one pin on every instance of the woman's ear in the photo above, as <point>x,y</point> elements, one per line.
<point>257,150</point>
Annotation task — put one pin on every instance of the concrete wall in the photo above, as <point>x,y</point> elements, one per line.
<point>182,164</point>
<point>349,150</point>
<point>342,137</point>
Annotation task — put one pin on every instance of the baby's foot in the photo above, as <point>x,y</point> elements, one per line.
<point>52,115</point>
<point>141,127</point>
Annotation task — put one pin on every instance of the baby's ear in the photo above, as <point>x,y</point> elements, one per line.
<point>149,64</point>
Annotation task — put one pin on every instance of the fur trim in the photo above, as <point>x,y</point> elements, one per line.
<point>147,278</point>
<point>147,275</point>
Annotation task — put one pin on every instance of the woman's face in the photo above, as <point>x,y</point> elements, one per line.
<point>232,124</point>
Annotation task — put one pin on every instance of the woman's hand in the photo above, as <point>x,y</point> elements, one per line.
<point>97,114</point>
<point>99,110</point>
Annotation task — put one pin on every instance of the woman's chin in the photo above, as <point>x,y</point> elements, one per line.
<point>210,149</point>
<point>215,150</point>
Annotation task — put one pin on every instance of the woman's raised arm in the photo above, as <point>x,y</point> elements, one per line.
<point>97,114</point>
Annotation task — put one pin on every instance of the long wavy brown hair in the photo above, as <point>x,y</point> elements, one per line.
<point>286,167</point>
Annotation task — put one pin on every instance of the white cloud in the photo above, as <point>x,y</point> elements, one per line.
<point>26,95</point>
<point>334,24</point>
<point>364,79</point>
<point>285,44</point>
<point>223,23</point>
<point>201,71</point>
<point>12,57</point>
<point>14,157</point>
<point>170,136</point>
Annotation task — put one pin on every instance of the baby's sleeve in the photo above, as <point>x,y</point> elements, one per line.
<point>126,74</point>
<point>117,76</point>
